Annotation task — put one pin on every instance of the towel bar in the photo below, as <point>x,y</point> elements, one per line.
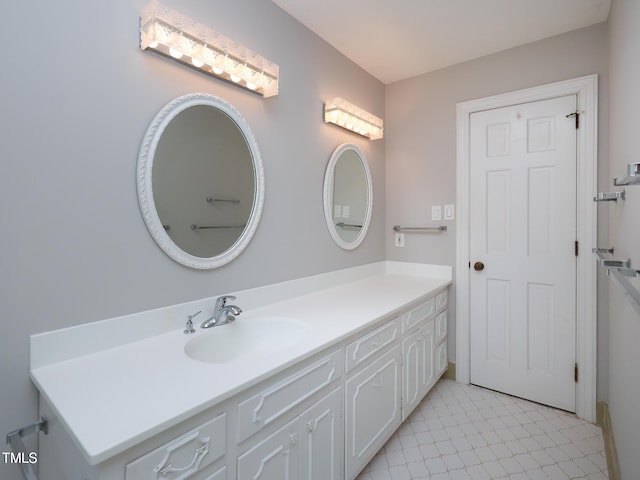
<point>215,227</point>
<point>440,228</point>
<point>347,225</point>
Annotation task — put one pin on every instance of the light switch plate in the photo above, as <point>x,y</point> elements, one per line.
<point>448,212</point>
<point>436,212</point>
<point>337,211</point>
<point>345,211</point>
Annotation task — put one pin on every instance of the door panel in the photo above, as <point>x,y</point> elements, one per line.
<point>523,229</point>
<point>372,409</point>
<point>322,439</point>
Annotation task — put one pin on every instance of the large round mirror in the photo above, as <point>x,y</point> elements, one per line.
<point>200,181</point>
<point>348,196</point>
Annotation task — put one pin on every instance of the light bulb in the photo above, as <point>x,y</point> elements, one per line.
<point>197,62</point>
<point>251,86</point>
<point>175,53</point>
<point>234,78</point>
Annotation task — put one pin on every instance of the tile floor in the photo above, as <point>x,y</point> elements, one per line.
<point>462,432</point>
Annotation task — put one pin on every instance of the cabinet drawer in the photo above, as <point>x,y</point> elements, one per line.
<point>260,410</point>
<point>441,326</point>
<point>418,314</point>
<point>183,456</point>
<point>441,300</point>
<point>372,342</point>
<point>441,359</point>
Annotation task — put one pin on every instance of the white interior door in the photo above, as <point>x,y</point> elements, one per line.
<point>522,236</point>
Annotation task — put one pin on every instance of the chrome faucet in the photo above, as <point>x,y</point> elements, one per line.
<point>222,313</point>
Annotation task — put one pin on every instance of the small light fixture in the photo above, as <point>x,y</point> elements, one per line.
<point>178,37</point>
<point>353,118</point>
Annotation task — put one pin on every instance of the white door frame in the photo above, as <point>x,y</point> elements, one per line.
<point>586,90</point>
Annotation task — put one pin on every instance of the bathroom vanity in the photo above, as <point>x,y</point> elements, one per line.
<point>309,382</point>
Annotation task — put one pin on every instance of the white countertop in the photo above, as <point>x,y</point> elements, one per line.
<point>147,385</point>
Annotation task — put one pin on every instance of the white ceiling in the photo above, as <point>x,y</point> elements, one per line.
<point>398,39</point>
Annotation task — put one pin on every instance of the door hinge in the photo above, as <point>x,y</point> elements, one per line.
<point>575,373</point>
<point>576,248</point>
<point>576,115</point>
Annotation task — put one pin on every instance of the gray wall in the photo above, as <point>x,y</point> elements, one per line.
<point>624,231</point>
<point>421,141</point>
<point>77,98</point>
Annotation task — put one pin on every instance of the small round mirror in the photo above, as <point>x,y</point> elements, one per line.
<point>200,181</point>
<point>348,196</point>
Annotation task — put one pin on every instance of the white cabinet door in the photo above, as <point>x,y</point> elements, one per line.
<point>441,359</point>
<point>413,359</point>
<point>274,458</point>
<point>372,410</point>
<point>429,371</point>
<point>417,367</point>
<point>321,439</point>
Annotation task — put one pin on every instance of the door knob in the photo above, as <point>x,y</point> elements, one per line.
<point>478,266</point>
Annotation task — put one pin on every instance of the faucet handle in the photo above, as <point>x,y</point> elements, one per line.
<point>222,301</point>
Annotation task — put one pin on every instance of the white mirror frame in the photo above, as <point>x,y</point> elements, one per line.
<point>328,196</point>
<point>145,184</point>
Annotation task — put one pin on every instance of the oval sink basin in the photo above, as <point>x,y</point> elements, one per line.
<point>246,339</point>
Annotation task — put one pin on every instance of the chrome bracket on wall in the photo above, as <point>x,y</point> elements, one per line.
<point>609,196</point>
<point>14,439</point>
<point>620,271</point>
<point>632,178</point>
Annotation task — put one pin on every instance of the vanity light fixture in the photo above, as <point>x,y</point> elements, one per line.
<point>176,36</point>
<point>351,117</point>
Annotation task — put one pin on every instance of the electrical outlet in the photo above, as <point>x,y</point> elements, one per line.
<point>345,211</point>
<point>337,211</point>
<point>399,239</point>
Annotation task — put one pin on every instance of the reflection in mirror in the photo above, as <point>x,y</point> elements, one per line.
<point>348,196</point>
<point>200,181</point>
<point>192,165</point>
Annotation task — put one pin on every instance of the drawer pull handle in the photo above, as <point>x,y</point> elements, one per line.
<point>378,382</point>
<point>377,342</point>
<point>165,468</point>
